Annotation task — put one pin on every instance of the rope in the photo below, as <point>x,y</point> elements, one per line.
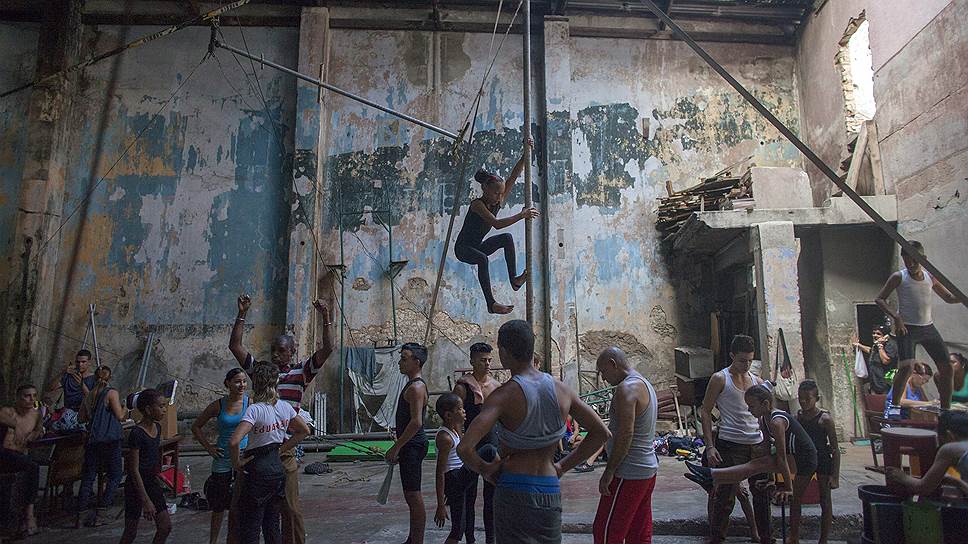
<point>137,138</point>
<point>460,181</point>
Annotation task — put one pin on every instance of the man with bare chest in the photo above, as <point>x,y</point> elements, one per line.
<point>20,425</point>
<point>473,389</point>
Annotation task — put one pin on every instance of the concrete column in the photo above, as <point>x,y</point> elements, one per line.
<point>307,252</point>
<point>774,250</point>
<point>31,265</point>
<point>561,196</point>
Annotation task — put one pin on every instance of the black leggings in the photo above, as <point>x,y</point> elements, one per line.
<point>478,255</point>
<point>14,462</point>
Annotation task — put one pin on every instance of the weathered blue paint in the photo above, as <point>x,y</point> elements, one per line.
<point>19,44</point>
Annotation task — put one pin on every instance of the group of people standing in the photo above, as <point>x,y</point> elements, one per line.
<point>509,433</point>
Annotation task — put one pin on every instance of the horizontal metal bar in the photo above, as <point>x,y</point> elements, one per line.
<point>337,90</point>
<point>809,154</point>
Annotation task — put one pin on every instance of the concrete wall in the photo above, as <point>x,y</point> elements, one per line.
<point>198,209</point>
<point>19,44</point>
<point>920,57</point>
<point>195,213</point>
<point>892,25</point>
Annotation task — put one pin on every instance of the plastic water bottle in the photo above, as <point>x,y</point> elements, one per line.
<point>187,487</point>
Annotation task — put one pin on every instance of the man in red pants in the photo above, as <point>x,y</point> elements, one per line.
<point>625,509</point>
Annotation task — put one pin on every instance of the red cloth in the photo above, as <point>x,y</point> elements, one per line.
<point>625,516</point>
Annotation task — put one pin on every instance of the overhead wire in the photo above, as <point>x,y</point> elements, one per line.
<point>124,154</point>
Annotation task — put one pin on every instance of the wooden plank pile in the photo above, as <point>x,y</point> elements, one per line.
<point>723,191</point>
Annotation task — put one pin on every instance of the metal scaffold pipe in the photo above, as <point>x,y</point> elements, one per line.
<point>529,222</point>
<point>337,90</point>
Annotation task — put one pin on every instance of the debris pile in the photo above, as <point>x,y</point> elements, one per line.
<point>723,191</point>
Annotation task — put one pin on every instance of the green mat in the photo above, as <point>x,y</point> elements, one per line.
<point>351,452</point>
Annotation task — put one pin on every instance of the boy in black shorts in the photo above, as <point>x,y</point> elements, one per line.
<point>820,426</point>
<point>411,445</point>
<point>142,492</point>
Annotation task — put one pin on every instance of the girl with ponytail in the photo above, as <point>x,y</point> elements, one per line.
<point>472,248</point>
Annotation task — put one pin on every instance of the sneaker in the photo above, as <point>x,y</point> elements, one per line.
<point>700,471</point>
<point>893,412</point>
<point>703,483</point>
<point>584,467</point>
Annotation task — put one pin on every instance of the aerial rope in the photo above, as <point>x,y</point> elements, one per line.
<point>455,210</point>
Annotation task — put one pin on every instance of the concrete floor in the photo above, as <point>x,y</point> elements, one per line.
<point>341,507</point>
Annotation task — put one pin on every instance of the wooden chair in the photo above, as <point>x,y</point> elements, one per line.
<point>874,415</point>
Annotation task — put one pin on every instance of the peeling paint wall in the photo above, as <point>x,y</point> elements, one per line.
<point>199,209</point>
<point>19,45</point>
<point>645,112</point>
<point>641,112</point>
<point>194,213</point>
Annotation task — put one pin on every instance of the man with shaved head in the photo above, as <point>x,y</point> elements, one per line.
<point>625,509</point>
<point>293,379</point>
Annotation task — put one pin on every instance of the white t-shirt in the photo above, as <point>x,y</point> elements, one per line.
<point>269,423</point>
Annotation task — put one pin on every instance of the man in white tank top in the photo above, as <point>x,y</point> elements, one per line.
<point>914,326</point>
<point>739,439</point>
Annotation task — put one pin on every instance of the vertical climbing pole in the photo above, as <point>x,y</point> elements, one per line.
<point>528,223</point>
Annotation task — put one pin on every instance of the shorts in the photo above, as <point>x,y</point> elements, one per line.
<point>218,491</point>
<point>527,510</point>
<point>806,463</point>
<point>132,499</point>
<point>825,465</point>
<point>411,464</point>
<point>928,337</point>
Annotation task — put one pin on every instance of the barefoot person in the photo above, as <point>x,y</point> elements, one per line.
<point>411,445</point>
<point>473,389</point>
<point>529,414</point>
<point>739,439</point>
<point>625,509</point>
<point>221,487</point>
<point>914,326</point>
<point>472,248</point>
<point>293,379</point>
<point>20,425</point>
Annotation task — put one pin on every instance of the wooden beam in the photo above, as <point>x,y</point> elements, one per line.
<point>857,159</point>
<point>874,152</point>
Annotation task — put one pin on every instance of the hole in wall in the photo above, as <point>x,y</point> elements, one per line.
<point>857,73</point>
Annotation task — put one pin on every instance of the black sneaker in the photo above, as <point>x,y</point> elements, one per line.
<point>702,472</point>
<point>584,467</point>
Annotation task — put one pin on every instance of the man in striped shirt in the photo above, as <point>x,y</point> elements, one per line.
<point>293,379</point>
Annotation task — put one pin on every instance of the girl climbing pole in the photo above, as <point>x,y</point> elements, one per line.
<point>472,248</point>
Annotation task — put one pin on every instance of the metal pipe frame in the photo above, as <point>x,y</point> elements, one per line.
<point>808,153</point>
<point>529,222</point>
<point>337,90</point>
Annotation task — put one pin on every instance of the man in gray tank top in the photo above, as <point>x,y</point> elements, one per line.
<point>739,439</point>
<point>625,509</point>
<point>529,414</point>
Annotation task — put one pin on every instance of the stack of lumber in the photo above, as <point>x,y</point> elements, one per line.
<point>723,191</point>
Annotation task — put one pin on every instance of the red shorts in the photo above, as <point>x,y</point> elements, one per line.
<point>625,516</point>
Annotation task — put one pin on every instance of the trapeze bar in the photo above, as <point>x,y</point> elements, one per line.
<point>336,90</point>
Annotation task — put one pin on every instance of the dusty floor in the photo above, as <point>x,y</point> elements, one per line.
<point>341,507</point>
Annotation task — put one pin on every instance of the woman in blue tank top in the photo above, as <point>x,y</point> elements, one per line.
<point>219,489</point>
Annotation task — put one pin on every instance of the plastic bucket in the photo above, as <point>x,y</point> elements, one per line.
<point>870,494</point>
